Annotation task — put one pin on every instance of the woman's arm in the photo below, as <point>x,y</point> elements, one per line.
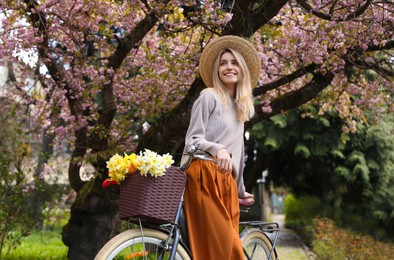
<point>202,110</point>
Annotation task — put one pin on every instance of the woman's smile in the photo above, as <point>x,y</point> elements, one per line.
<point>229,70</point>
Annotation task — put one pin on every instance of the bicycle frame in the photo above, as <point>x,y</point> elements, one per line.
<point>175,230</point>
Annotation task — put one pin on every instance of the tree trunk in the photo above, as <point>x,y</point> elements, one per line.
<point>94,220</point>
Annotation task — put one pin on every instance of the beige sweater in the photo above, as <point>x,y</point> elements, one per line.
<point>214,126</point>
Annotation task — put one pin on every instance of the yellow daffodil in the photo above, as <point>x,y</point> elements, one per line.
<point>146,162</point>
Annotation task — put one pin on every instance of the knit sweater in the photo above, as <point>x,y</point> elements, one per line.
<point>214,126</point>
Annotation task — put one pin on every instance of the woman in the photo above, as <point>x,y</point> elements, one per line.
<point>229,66</point>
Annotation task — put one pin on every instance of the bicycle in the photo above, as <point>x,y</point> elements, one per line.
<point>169,241</point>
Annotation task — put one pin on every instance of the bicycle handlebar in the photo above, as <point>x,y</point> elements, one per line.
<point>193,152</point>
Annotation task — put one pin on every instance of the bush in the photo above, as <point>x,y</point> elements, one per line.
<point>299,214</point>
<point>332,243</point>
<point>301,211</point>
<point>45,242</point>
<point>15,220</point>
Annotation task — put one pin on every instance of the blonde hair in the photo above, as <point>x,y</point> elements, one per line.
<point>243,93</point>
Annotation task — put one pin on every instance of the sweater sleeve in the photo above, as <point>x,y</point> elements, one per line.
<point>202,109</point>
<point>240,177</point>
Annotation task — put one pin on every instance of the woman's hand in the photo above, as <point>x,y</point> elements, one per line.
<point>248,195</point>
<point>246,201</point>
<point>225,164</point>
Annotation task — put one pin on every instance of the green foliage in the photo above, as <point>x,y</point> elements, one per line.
<point>56,216</point>
<point>25,200</point>
<point>15,191</point>
<point>355,179</point>
<point>45,242</point>
<point>302,150</point>
<point>300,213</point>
<point>333,243</point>
<point>272,143</point>
<point>41,244</point>
<point>327,250</point>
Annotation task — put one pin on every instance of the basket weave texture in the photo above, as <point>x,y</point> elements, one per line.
<point>152,199</point>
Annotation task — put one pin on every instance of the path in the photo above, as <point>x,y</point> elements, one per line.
<point>289,246</point>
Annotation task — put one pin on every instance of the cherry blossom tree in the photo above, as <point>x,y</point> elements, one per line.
<point>122,75</point>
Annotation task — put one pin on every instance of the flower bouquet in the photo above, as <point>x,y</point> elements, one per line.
<point>147,162</point>
<point>151,195</point>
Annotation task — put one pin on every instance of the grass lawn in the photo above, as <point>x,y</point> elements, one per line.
<point>41,244</point>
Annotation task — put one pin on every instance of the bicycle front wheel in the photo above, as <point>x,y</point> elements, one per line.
<point>257,245</point>
<point>134,244</point>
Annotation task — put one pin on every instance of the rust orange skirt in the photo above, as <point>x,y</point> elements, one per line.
<point>212,213</point>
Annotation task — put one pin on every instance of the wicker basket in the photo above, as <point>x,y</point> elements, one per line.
<point>152,199</point>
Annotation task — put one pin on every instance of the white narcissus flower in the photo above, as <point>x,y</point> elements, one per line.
<point>146,162</point>
<point>143,169</point>
<point>113,162</point>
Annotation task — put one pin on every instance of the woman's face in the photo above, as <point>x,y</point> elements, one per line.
<point>229,71</point>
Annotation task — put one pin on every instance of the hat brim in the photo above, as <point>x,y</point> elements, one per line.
<point>244,47</point>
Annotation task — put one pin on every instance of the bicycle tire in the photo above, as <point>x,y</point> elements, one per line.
<point>257,245</point>
<point>130,244</point>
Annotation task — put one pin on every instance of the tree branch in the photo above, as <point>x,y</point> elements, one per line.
<point>11,72</point>
<point>388,46</point>
<point>359,11</point>
<point>249,16</point>
<point>285,79</point>
<point>37,19</point>
<point>169,132</point>
<point>99,139</point>
<point>308,8</point>
<point>295,98</point>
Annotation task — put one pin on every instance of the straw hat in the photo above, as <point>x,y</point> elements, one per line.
<point>245,48</point>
